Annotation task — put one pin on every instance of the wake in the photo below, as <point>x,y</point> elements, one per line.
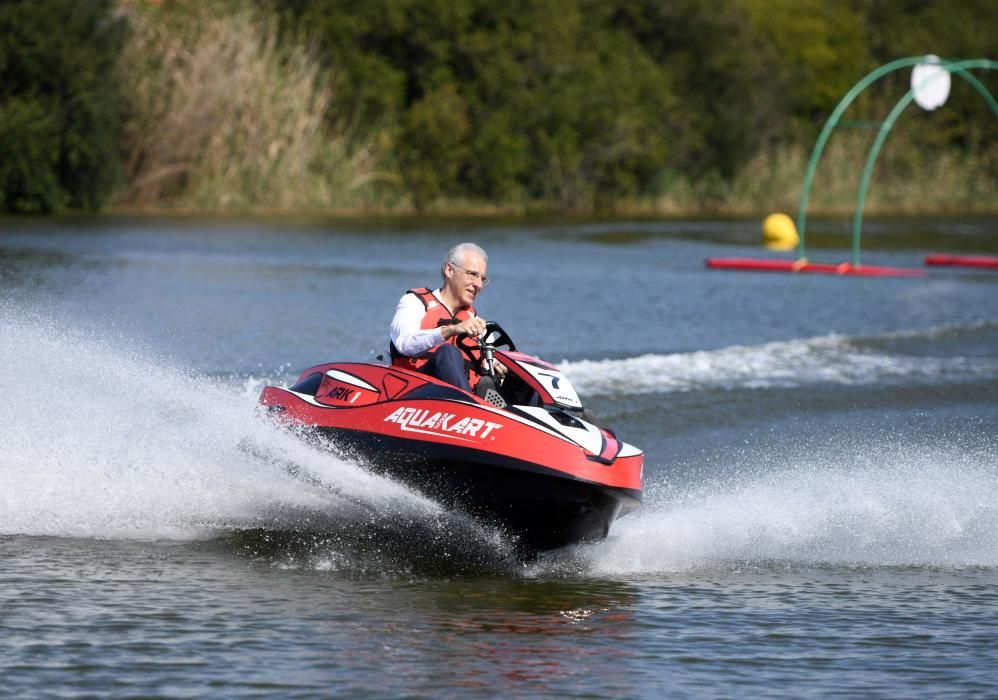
<point>830,359</point>
<point>105,440</point>
<point>872,505</point>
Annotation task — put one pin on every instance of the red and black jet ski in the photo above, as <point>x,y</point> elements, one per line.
<point>521,454</point>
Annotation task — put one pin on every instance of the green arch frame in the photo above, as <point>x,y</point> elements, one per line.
<point>960,67</point>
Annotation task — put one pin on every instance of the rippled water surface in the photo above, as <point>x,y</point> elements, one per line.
<point>821,506</point>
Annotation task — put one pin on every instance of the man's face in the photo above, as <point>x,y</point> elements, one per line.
<point>464,281</point>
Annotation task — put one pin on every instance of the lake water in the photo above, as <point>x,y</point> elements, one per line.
<point>821,506</point>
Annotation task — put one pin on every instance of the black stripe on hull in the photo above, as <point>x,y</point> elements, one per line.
<point>544,508</point>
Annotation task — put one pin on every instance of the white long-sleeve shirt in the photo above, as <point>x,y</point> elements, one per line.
<point>408,337</point>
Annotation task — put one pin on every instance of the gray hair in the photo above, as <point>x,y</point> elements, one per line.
<point>455,256</point>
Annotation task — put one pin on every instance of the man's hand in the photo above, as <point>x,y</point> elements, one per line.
<point>473,327</point>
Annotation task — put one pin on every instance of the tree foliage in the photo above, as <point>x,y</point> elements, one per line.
<point>60,110</point>
<point>570,102</point>
<point>551,103</point>
<point>819,49</point>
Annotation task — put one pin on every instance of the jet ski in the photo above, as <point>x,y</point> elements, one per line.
<point>520,453</point>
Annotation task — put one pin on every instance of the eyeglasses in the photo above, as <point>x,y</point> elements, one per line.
<point>474,275</point>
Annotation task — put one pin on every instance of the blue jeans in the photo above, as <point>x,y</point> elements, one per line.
<point>447,364</point>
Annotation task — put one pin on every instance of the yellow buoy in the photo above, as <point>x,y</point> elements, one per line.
<point>779,232</point>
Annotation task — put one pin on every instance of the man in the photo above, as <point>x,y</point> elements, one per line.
<point>436,332</point>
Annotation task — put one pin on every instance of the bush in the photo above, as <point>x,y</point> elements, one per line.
<point>59,111</point>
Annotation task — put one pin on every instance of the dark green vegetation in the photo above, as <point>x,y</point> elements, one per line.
<point>60,111</point>
<point>646,105</point>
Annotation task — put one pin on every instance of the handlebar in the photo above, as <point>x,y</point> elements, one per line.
<point>494,336</point>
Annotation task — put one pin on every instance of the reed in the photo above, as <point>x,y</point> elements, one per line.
<point>906,180</point>
<point>225,118</point>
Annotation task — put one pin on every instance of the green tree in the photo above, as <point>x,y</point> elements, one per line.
<point>821,49</point>
<point>730,100</point>
<point>569,107</point>
<point>504,101</point>
<point>60,109</point>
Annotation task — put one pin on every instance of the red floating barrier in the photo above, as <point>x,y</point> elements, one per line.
<point>962,260</point>
<point>805,266</point>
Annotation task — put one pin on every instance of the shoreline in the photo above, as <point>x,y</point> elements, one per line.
<point>493,213</point>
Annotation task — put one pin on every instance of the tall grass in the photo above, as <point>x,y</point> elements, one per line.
<point>906,180</point>
<point>225,118</point>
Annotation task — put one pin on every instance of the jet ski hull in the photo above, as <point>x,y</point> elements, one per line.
<point>541,507</point>
<point>540,473</point>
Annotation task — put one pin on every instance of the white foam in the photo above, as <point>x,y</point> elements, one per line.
<point>880,505</point>
<point>103,440</point>
<point>828,359</point>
